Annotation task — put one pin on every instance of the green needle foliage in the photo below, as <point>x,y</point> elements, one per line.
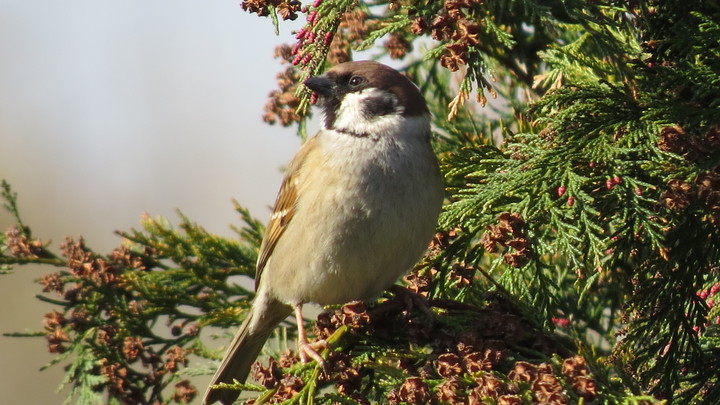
<point>577,259</point>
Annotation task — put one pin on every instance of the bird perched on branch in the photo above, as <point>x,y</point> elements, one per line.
<point>355,212</point>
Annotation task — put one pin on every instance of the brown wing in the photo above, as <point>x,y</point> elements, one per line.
<point>283,211</point>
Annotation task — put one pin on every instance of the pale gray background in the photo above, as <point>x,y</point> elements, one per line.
<point>112,108</point>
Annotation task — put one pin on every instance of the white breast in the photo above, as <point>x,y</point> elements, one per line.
<point>366,211</point>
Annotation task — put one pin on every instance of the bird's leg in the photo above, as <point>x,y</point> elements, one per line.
<point>307,350</point>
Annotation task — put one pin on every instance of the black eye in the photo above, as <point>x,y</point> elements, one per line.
<point>355,81</point>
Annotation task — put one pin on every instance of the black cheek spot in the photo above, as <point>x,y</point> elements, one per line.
<point>380,105</point>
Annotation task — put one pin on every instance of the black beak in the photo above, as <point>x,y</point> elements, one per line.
<point>320,85</point>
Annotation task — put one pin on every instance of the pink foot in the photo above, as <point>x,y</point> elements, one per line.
<point>308,350</point>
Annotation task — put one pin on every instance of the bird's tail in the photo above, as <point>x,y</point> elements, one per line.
<point>249,340</point>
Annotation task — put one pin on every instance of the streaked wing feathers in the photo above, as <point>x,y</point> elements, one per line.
<point>283,211</point>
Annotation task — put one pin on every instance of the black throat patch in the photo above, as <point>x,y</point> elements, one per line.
<point>330,107</point>
<point>355,134</point>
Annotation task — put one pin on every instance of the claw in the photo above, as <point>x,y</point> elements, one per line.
<point>308,351</point>
<point>412,300</point>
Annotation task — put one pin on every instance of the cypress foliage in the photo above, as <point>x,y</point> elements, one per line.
<point>576,261</point>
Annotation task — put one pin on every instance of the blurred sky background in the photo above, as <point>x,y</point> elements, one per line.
<point>111,108</point>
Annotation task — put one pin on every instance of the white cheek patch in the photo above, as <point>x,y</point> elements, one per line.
<point>370,111</point>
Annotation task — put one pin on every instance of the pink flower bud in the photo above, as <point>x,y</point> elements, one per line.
<point>328,38</point>
<point>317,3</point>
<point>638,191</point>
<point>715,288</point>
<point>617,179</point>
<point>311,16</point>
<point>561,191</point>
<point>571,201</point>
<point>609,184</point>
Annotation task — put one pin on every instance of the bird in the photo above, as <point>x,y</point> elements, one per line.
<point>356,210</point>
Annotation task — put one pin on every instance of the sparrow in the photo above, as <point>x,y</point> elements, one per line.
<point>356,210</point>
